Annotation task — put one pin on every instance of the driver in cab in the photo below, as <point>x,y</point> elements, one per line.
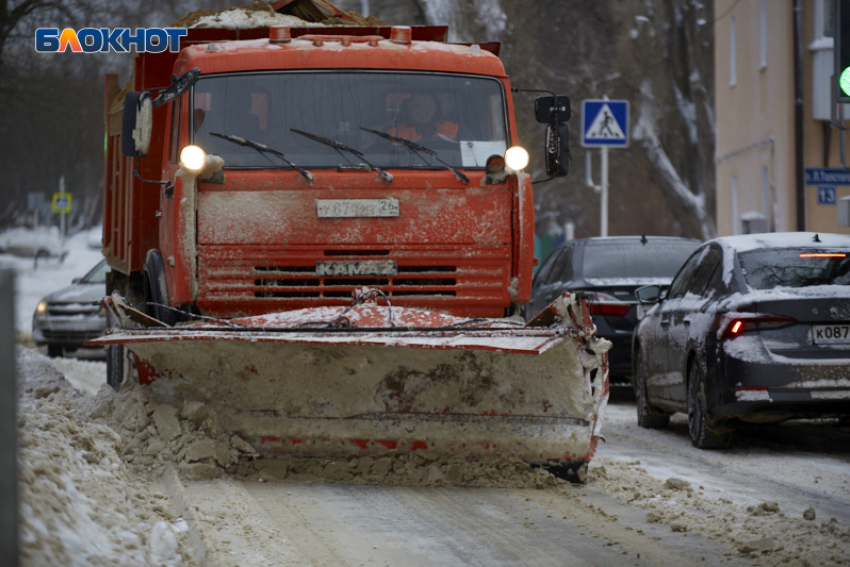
<point>420,120</point>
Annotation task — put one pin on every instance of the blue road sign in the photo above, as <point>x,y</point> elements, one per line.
<point>605,123</point>
<point>827,176</point>
<point>826,195</point>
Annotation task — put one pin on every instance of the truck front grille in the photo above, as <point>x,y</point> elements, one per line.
<point>230,274</point>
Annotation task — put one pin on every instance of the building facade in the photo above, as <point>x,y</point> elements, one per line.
<point>774,149</point>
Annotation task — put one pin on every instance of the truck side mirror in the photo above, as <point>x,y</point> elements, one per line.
<point>547,110</point>
<point>179,85</point>
<point>555,111</point>
<point>137,125</point>
<point>556,150</point>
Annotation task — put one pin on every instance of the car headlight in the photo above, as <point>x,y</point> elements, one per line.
<point>193,158</point>
<point>41,308</point>
<point>516,158</point>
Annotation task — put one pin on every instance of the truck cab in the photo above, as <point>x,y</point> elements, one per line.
<point>328,176</point>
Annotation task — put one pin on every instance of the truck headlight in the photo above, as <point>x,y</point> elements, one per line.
<point>193,159</point>
<point>516,158</point>
<point>41,308</point>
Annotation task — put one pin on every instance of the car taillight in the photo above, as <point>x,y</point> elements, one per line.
<point>736,324</point>
<point>604,304</point>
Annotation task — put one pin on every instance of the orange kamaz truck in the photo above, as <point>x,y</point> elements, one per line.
<point>326,231</point>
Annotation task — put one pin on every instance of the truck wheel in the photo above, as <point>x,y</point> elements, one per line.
<point>156,290</point>
<point>115,366</point>
<point>702,435</point>
<point>54,351</point>
<point>647,416</point>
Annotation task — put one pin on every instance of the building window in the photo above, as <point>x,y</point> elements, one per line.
<point>732,58</point>
<point>735,220</point>
<point>763,34</point>
<point>824,14</point>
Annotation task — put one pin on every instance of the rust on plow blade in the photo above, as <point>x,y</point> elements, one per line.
<point>387,380</point>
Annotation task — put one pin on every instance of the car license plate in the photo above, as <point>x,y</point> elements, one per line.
<point>349,208</point>
<point>351,269</point>
<point>831,334</point>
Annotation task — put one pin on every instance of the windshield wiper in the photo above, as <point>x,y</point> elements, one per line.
<point>264,149</point>
<point>417,148</point>
<point>338,146</point>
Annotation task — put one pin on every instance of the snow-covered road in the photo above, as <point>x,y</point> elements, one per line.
<point>651,499</point>
<point>93,464</point>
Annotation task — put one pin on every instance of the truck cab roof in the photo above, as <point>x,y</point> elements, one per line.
<point>338,51</point>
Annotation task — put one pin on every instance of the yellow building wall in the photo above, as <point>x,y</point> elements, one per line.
<point>755,119</point>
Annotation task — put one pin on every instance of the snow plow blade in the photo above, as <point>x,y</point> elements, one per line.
<point>373,379</point>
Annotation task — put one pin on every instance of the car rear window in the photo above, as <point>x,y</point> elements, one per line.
<point>795,267</point>
<point>636,260</point>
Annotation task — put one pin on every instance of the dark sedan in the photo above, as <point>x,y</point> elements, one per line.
<point>609,270</point>
<point>753,328</point>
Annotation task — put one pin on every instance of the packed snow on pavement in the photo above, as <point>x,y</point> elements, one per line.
<point>92,462</point>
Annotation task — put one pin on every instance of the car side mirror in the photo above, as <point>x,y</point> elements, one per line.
<point>649,294</point>
<point>76,280</point>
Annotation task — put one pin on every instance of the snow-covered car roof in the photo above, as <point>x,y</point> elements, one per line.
<point>747,242</point>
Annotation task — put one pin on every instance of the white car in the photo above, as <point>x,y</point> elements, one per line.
<point>95,237</point>
<point>38,243</point>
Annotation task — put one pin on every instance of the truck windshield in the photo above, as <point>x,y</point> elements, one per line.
<point>460,117</point>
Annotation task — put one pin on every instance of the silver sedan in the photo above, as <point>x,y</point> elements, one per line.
<point>65,319</point>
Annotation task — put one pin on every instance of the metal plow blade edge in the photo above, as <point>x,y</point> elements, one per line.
<point>481,388</point>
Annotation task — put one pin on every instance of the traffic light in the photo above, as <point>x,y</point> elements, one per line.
<point>842,50</point>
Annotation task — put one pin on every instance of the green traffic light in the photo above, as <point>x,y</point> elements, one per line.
<point>844,81</point>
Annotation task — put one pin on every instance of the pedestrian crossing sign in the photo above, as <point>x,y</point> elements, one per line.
<point>605,123</point>
<point>62,203</point>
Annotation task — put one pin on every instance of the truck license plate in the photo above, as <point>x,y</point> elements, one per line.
<point>831,334</point>
<point>347,208</point>
<point>349,269</point>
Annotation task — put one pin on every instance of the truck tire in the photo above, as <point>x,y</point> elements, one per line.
<point>54,351</point>
<point>157,304</point>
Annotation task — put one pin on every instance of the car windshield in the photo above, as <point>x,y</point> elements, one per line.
<point>795,267</point>
<point>460,117</point>
<point>626,260</point>
<point>97,275</point>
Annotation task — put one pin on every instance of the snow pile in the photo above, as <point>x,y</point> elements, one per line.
<point>762,531</point>
<point>246,19</point>
<point>156,434</point>
<point>79,503</point>
<point>260,14</point>
<point>416,469</point>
